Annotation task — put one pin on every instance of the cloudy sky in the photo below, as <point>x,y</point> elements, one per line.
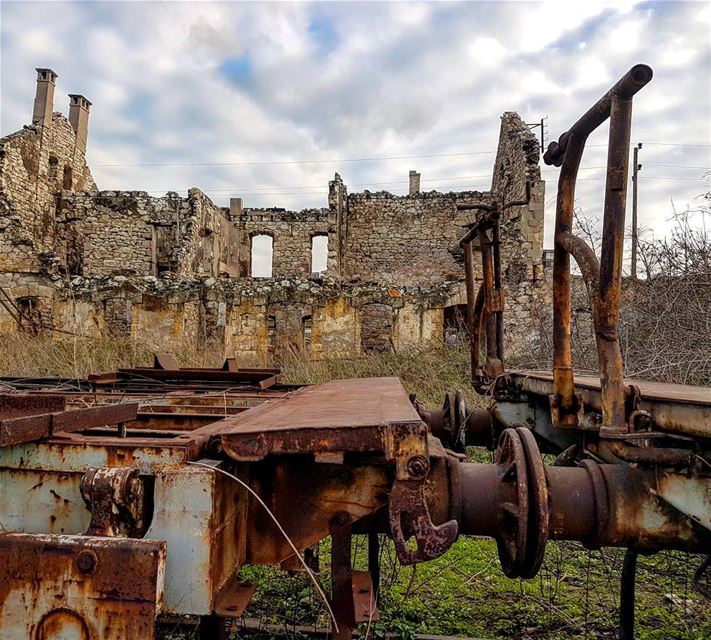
<point>266,101</point>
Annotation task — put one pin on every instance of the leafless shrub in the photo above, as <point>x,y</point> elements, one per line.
<point>665,320</point>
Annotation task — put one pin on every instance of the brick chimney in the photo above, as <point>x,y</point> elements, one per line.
<point>44,98</point>
<point>79,118</point>
<point>414,182</point>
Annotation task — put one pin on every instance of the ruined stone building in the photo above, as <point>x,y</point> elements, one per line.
<point>76,260</point>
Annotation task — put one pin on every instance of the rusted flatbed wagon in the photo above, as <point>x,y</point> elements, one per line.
<point>140,493</point>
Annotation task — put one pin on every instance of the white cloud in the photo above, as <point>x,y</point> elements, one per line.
<point>372,80</point>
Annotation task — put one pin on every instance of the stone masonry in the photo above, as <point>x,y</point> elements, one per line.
<point>75,260</point>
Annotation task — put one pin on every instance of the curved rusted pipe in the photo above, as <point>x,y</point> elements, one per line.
<point>562,307</point>
<point>585,257</point>
<point>626,87</point>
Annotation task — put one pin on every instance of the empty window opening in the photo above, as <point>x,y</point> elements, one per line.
<point>306,331</point>
<point>262,253</point>
<point>53,164</point>
<point>319,253</point>
<point>67,181</point>
<point>271,331</point>
<point>28,314</point>
<point>456,325</point>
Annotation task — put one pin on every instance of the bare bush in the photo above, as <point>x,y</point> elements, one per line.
<point>665,320</point>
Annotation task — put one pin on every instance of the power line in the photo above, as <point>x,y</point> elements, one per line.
<point>678,166</point>
<point>313,191</point>
<point>271,162</point>
<point>337,160</point>
<point>674,144</point>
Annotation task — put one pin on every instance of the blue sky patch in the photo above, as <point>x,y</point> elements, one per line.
<point>324,34</point>
<point>237,70</point>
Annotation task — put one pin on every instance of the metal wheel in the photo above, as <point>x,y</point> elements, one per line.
<point>538,514</point>
<point>513,503</point>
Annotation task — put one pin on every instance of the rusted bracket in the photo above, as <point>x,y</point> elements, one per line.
<point>408,512</point>
<point>410,516</point>
<point>566,419</point>
<point>116,498</point>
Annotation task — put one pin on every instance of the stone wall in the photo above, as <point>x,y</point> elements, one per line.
<point>35,163</point>
<point>406,240</point>
<point>102,233</point>
<point>166,269</point>
<point>291,233</point>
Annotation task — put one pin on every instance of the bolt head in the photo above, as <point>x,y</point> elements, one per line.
<point>86,562</point>
<point>418,466</point>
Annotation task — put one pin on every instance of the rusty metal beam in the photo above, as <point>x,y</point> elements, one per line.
<point>28,428</point>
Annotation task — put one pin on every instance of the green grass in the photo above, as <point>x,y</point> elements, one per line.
<point>464,593</point>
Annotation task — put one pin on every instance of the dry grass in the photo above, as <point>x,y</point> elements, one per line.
<point>430,372</point>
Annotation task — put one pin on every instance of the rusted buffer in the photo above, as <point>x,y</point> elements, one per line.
<point>139,493</point>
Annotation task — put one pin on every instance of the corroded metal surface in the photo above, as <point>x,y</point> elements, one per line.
<point>34,426</point>
<point>80,587</point>
<point>342,415</point>
<point>674,407</point>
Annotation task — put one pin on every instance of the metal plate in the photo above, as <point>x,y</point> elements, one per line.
<point>79,587</point>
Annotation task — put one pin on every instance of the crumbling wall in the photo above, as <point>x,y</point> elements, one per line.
<point>167,269</point>
<point>406,240</point>
<point>291,233</point>
<point>209,239</point>
<point>35,163</point>
<point>102,233</point>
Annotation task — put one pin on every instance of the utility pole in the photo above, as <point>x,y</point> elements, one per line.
<point>635,179</point>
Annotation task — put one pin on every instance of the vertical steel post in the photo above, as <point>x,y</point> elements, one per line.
<point>562,306</point>
<point>613,238</point>
<point>627,595</point>
<point>342,577</point>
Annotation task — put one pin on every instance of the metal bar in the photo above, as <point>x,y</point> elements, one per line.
<point>477,322</point>
<point>496,250</point>
<point>22,429</point>
<point>374,562</point>
<point>627,595</point>
<point>212,627</point>
<point>625,88</point>
<point>562,307</point>
<point>475,304</point>
<point>342,576</point>
<point>609,354</point>
<point>492,367</point>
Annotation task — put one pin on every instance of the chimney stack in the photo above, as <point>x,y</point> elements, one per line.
<point>235,208</point>
<point>414,182</point>
<point>79,118</point>
<point>44,98</point>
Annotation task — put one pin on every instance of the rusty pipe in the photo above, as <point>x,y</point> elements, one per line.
<point>626,87</point>
<point>479,428</point>
<point>610,285</point>
<point>475,308</point>
<point>562,306</point>
<point>668,456</point>
<point>585,258</point>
